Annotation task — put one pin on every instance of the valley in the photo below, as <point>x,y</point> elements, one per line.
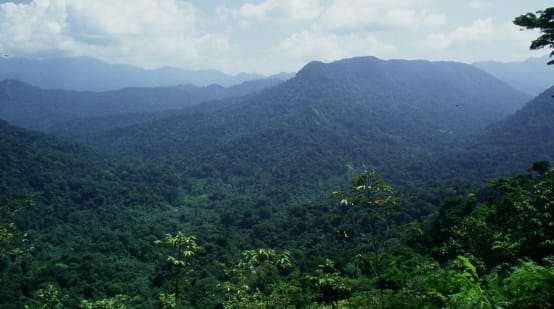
<point>102,180</point>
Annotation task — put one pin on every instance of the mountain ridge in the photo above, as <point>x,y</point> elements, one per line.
<point>90,74</point>
<point>531,76</point>
<point>36,108</point>
<point>330,115</point>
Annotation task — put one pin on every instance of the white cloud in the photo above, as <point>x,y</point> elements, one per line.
<point>479,4</point>
<point>481,40</point>
<point>142,32</point>
<point>30,27</point>
<point>359,14</point>
<point>262,36</point>
<point>282,10</point>
<point>479,30</point>
<point>305,46</point>
<point>435,20</point>
<point>120,18</point>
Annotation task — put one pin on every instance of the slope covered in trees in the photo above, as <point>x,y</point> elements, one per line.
<point>247,181</point>
<point>97,235</point>
<point>90,225</point>
<point>36,108</point>
<point>531,126</point>
<point>504,147</point>
<point>354,112</point>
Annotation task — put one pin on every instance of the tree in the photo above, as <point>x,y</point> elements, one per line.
<point>330,283</point>
<point>49,298</point>
<point>524,209</point>
<point>530,285</point>
<point>116,302</point>
<point>11,241</point>
<point>370,194</point>
<point>544,21</point>
<point>255,281</point>
<point>185,248</point>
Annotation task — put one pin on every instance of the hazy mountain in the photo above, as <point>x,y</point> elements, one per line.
<point>505,147</point>
<point>88,74</point>
<point>530,126</point>
<point>528,134</point>
<point>36,108</point>
<point>532,76</point>
<point>254,172</point>
<point>330,117</point>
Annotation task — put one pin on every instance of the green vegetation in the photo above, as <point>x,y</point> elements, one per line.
<point>11,241</point>
<point>184,248</point>
<point>228,205</point>
<point>488,249</point>
<point>544,21</point>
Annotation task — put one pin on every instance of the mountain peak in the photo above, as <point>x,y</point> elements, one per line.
<point>10,86</point>
<point>89,74</point>
<point>350,64</point>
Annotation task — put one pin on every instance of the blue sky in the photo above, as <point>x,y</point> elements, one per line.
<point>265,36</point>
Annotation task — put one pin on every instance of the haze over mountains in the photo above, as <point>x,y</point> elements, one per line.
<point>89,74</point>
<point>35,108</point>
<point>531,76</point>
<point>527,134</point>
<point>360,111</point>
<point>247,166</point>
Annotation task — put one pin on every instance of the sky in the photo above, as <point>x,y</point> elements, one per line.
<point>265,36</point>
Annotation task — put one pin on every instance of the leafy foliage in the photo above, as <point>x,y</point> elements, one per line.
<point>544,21</point>
<point>183,249</point>
<point>255,281</point>
<point>11,241</point>
<point>254,173</point>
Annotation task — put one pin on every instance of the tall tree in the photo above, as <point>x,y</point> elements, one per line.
<point>369,193</point>
<point>184,248</point>
<point>544,21</point>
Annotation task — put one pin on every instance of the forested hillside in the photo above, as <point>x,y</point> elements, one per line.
<point>92,231</point>
<point>89,222</point>
<point>264,201</point>
<point>36,108</point>
<point>328,119</point>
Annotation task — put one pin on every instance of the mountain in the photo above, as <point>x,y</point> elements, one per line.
<point>88,74</point>
<point>531,126</point>
<point>528,134</point>
<point>327,120</point>
<point>531,76</point>
<point>503,148</point>
<point>254,173</point>
<point>31,107</point>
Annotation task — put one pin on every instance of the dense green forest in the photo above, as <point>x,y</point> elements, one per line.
<point>361,183</point>
<point>113,235</point>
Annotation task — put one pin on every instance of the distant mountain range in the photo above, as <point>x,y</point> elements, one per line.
<point>251,166</point>
<point>35,108</point>
<point>329,118</point>
<point>532,76</point>
<point>88,74</point>
<point>407,119</point>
